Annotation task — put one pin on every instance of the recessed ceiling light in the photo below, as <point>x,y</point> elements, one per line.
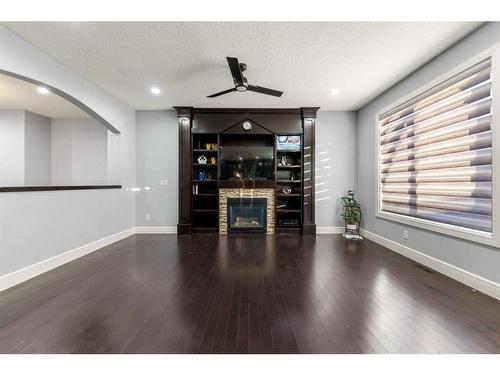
<point>155,91</point>
<point>334,91</point>
<point>43,90</point>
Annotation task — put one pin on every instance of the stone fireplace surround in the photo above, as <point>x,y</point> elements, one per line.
<point>224,194</point>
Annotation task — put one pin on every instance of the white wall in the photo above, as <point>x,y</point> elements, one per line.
<point>157,159</point>
<point>335,165</point>
<point>12,148</point>
<point>37,134</point>
<point>79,152</point>
<point>35,226</point>
<point>480,260</point>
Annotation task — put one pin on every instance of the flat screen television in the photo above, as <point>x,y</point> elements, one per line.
<point>288,143</point>
<point>247,158</point>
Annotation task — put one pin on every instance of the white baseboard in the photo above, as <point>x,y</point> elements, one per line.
<point>155,230</point>
<point>329,230</point>
<point>19,276</point>
<point>486,286</point>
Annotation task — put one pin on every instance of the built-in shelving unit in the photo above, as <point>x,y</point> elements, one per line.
<point>204,177</point>
<point>226,129</point>
<point>289,175</point>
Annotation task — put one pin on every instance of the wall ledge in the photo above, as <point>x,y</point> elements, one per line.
<point>479,283</point>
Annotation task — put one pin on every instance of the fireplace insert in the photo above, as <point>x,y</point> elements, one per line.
<point>246,214</point>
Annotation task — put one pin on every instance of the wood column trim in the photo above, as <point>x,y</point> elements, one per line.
<point>308,123</point>
<point>185,119</point>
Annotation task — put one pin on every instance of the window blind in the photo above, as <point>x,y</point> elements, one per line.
<point>435,153</point>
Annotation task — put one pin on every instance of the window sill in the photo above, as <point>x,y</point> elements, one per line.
<point>441,228</point>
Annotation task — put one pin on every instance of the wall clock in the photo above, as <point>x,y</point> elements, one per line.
<point>247,125</point>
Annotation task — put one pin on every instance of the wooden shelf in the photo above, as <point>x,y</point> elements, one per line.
<point>288,152</point>
<point>204,165</point>
<point>288,229</point>
<point>205,229</point>
<point>289,181</point>
<point>203,150</point>
<point>204,181</point>
<point>205,195</point>
<point>205,210</point>
<point>286,210</point>
<point>288,195</point>
<point>289,166</point>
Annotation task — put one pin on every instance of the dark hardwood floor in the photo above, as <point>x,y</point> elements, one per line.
<point>246,294</point>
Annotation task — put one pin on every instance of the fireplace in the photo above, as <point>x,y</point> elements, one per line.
<point>246,214</point>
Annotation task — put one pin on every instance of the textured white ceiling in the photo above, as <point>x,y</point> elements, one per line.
<point>188,60</point>
<point>18,94</point>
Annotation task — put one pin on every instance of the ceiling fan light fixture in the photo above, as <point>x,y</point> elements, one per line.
<point>241,88</point>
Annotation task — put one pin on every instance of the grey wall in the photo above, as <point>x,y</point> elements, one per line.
<point>37,136</point>
<point>79,152</point>
<point>335,164</point>
<point>156,160</point>
<point>12,147</point>
<point>478,259</point>
<point>35,226</point>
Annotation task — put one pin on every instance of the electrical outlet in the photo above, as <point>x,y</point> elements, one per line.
<point>405,235</point>
<point>148,217</point>
<point>163,182</point>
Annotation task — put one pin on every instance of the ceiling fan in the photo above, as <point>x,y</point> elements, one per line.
<point>241,83</point>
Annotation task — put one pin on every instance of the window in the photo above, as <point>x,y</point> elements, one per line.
<point>435,156</point>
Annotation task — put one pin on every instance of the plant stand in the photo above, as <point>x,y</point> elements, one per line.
<point>352,230</point>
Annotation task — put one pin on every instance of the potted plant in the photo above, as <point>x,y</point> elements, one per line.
<point>351,213</point>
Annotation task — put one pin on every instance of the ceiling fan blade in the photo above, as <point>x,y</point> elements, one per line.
<point>263,90</point>
<point>235,70</point>
<point>221,93</point>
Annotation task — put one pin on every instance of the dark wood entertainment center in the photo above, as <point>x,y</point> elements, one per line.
<point>200,133</point>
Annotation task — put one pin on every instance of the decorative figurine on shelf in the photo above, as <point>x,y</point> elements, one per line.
<point>202,159</point>
<point>214,146</point>
<point>213,160</point>
<point>283,161</point>
<point>208,146</point>
<point>195,189</point>
<point>351,212</point>
<point>286,189</point>
<point>202,175</point>
<point>208,176</point>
